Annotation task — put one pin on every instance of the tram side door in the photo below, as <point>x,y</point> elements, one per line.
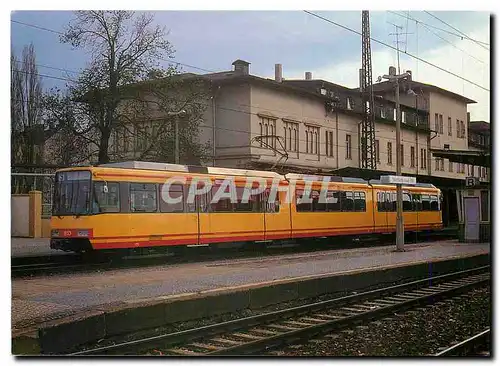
<point>205,235</point>
<point>381,213</point>
<point>277,223</point>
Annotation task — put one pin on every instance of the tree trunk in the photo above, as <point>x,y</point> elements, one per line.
<point>103,146</point>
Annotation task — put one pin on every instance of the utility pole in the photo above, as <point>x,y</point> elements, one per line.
<point>400,237</point>
<point>367,140</point>
<point>398,33</point>
<point>392,77</point>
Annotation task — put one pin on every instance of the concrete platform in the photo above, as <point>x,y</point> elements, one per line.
<point>41,299</point>
<point>28,247</point>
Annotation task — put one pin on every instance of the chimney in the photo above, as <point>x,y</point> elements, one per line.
<point>392,71</point>
<point>409,73</point>
<point>309,75</point>
<point>360,80</point>
<point>241,67</point>
<point>278,73</point>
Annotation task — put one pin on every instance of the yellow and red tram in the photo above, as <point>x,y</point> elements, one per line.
<point>121,206</point>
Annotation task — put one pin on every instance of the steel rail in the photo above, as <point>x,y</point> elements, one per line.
<point>466,346</point>
<point>306,320</point>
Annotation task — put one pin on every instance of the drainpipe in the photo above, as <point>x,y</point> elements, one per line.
<point>337,135</point>
<point>214,136</point>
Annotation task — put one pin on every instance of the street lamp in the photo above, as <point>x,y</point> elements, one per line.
<point>178,113</point>
<point>392,77</point>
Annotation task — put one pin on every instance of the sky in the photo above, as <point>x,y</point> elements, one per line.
<point>212,40</point>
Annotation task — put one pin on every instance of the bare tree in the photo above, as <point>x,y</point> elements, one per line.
<point>125,49</point>
<point>66,146</point>
<point>27,131</point>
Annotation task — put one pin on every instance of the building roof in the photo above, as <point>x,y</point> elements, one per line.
<point>479,158</point>
<point>482,127</point>
<point>226,77</point>
<point>317,84</point>
<point>387,85</point>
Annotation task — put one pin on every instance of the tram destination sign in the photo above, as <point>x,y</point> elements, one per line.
<point>398,179</point>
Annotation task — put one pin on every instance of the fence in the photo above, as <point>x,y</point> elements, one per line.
<point>22,183</point>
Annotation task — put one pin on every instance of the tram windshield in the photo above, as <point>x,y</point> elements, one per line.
<point>72,193</point>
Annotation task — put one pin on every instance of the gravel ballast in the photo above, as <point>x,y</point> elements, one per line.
<point>418,332</point>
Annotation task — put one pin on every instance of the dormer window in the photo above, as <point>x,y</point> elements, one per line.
<point>323,91</point>
<point>349,103</point>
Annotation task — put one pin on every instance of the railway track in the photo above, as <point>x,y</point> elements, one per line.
<point>477,345</point>
<point>34,266</point>
<point>261,332</point>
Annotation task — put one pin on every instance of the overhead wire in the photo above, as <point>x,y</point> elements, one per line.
<point>444,39</point>
<point>437,28</point>
<point>462,33</point>
<point>395,49</point>
<point>57,32</point>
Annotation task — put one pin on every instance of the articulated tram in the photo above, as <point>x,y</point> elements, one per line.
<point>131,205</point>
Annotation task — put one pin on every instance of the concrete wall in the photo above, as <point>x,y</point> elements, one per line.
<point>233,132</point>
<point>26,215</point>
<point>455,109</point>
<point>20,218</point>
<point>386,133</point>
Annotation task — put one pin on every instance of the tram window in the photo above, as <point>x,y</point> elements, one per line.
<point>175,191</point>
<point>333,199</point>
<point>106,201</point>
<point>417,204</point>
<point>347,201</point>
<point>426,202</point>
<point>407,204</point>
<point>317,206</point>
<point>393,203</point>
<point>253,204</point>
<point>302,206</point>
<point>359,201</point>
<point>271,207</point>
<point>224,204</point>
<point>143,197</point>
<point>381,201</point>
<point>434,203</point>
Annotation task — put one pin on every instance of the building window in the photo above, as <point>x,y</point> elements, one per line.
<point>291,136</point>
<point>462,129</point>
<point>450,166</point>
<point>377,151</point>
<point>437,164</point>
<point>349,103</point>
<point>329,143</point>
<point>312,143</point>
<point>389,153</point>
<point>403,117</point>
<point>436,122</point>
<point>458,128</point>
<point>348,147</point>
<point>382,112</point>
<point>394,114</point>
<point>267,129</point>
<point>423,159</point>
<point>402,154</point>
<point>450,132</point>
<point>441,124</point>
<point>440,164</point>
<point>412,156</point>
